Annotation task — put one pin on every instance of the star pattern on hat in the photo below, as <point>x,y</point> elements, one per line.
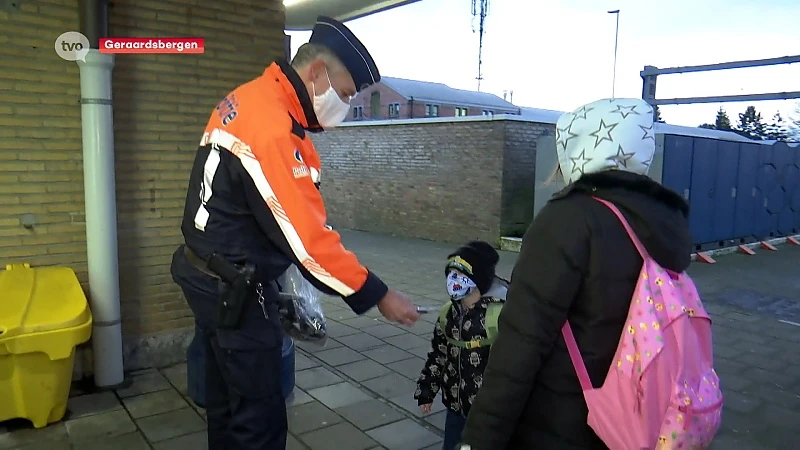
<point>605,130</point>
<point>581,113</point>
<point>621,158</point>
<point>578,167</point>
<point>648,133</point>
<point>563,135</point>
<point>625,111</point>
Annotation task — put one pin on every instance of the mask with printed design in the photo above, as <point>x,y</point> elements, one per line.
<point>459,286</point>
<point>329,107</point>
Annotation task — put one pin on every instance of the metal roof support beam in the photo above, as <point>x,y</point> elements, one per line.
<point>650,73</point>
<point>727,98</point>
<point>650,70</point>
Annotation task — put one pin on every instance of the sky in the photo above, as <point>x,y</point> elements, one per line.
<point>560,54</point>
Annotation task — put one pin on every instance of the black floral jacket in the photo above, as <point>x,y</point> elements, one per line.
<point>458,372</point>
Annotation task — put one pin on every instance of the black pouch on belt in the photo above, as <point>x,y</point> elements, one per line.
<point>240,288</point>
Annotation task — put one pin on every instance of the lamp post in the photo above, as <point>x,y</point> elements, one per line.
<point>616,41</point>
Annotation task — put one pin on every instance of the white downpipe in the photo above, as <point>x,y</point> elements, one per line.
<point>99,183</point>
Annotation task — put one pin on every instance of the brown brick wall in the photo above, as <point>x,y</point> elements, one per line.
<point>409,109</point>
<point>432,179</point>
<point>162,103</point>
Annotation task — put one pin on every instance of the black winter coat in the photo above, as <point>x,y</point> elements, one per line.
<point>576,263</point>
<point>458,372</point>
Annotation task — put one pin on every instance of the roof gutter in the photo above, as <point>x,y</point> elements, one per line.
<point>301,15</point>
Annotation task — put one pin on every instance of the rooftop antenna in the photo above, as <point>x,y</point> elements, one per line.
<point>480,9</point>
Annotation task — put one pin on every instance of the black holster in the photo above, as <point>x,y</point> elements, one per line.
<point>240,288</point>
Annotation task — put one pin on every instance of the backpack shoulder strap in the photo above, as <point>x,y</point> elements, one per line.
<point>492,317</point>
<point>443,315</point>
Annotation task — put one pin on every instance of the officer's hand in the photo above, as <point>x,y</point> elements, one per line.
<point>396,307</point>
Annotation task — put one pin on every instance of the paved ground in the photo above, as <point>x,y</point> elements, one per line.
<point>356,393</point>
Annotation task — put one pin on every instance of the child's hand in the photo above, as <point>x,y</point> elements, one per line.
<point>426,409</point>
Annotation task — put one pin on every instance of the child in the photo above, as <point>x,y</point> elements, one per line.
<point>465,330</point>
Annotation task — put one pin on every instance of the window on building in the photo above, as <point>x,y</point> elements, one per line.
<point>375,105</point>
<point>358,112</point>
<point>486,112</point>
<point>394,109</point>
<point>461,112</point>
<point>431,110</point>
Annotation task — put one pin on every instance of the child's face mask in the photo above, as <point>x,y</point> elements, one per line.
<point>459,285</point>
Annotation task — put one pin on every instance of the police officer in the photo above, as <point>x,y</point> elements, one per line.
<point>253,208</point>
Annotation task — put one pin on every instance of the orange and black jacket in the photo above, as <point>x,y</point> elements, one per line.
<point>254,191</point>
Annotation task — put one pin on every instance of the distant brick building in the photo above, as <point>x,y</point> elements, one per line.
<point>397,98</point>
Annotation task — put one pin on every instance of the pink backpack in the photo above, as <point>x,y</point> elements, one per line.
<point>661,391</point>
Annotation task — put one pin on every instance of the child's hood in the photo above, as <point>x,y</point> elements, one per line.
<point>497,292</point>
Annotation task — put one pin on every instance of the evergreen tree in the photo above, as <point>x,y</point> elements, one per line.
<point>722,122</point>
<point>751,125</point>
<point>777,130</point>
<point>794,125</point>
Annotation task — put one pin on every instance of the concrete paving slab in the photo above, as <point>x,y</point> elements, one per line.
<point>171,424</point>
<point>404,435</point>
<point>339,356</point>
<point>340,434</point>
<point>383,330</point>
<point>361,341</point>
<point>194,441</point>
<point>144,383</point>
<point>114,423</point>
<point>387,354</point>
<point>90,404</point>
<point>409,368</point>
<point>364,370</point>
<point>407,341</point>
<point>339,395</point>
<point>176,375</point>
<point>130,441</point>
<point>315,377</point>
<point>311,416</point>
<point>26,435</point>
<point>154,403</point>
<point>370,414</point>
<point>391,385</point>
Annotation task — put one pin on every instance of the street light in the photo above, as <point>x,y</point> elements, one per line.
<point>616,41</point>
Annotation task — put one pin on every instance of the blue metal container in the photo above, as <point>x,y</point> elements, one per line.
<point>702,196</point>
<point>768,199</point>
<point>196,371</point>
<point>744,224</point>
<point>724,198</point>
<point>788,175</point>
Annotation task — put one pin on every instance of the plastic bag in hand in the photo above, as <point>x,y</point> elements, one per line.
<point>300,307</point>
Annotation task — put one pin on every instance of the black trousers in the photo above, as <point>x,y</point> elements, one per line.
<point>244,403</point>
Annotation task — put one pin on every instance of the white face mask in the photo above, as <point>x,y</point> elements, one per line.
<point>459,286</point>
<point>329,107</point>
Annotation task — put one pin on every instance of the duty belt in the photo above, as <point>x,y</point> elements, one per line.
<point>198,262</point>
<point>240,286</point>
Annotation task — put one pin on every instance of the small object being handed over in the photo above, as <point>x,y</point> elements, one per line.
<point>422,309</point>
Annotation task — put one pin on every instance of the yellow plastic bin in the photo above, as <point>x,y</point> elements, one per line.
<point>44,315</point>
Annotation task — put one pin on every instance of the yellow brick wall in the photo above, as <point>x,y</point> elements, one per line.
<point>161,104</point>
